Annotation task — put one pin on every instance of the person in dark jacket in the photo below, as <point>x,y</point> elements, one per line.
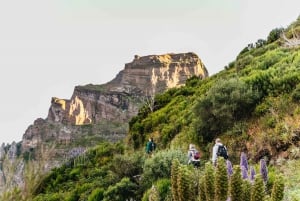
<point>150,146</point>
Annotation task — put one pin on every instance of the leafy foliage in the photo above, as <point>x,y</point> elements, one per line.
<point>236,185</point>
<point>253,105</point>
<point>257,192</point>
<point>221,180</point>
<point>225,103</point>
<point>278,189</point>
<point>159,166</point>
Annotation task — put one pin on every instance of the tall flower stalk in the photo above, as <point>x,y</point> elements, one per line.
<point>236,188</point>
<point>244,172</point>
<point>252,174</point>
<point>221,180</point>
<point>278,189</point>
<point>229,168</point>
<point>209,182</point>
<point>264,170</point>
<point>244,161</point>
<point>174,177</point>
<point>258,190</point>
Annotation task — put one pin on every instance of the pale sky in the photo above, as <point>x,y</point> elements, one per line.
<point>47,47</point>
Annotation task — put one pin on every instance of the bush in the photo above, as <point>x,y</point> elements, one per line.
<point>128,165</point>
<point>123,190</point>
<point>225,103</point>
<point>159,166</point>
<point>243,62</point>
<point>97,194</point>
<point>296,94</point>
<point>162,187</point>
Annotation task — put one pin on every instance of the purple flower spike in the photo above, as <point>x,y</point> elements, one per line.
<point>244,172</point>
<point>244,161</point>
<point>263,170</point>
<point>229,168</point>
<point>252,174</point>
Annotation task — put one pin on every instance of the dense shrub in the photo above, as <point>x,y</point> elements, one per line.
<point>243,62</point>
<point>225,103</point>
<point>97,194</point>
<point>296,94</point>
<point>128,165</point>
<point>274,35</point>
<point>123,190</point>
<point>162,189</point>
<point>159,166</point>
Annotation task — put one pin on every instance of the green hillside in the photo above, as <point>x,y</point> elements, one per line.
<point>253,105</point>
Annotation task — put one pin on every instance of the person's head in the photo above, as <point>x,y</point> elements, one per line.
<point>218,140</point>
<point>150,139</point>
<point>192,146</point>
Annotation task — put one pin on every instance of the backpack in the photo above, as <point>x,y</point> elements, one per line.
<point>153,146</point>
<point>222,152</point>
<point>196,155</point>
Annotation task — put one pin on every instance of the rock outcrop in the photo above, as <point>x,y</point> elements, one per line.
<point>117,100</point>
<point>96,112</point>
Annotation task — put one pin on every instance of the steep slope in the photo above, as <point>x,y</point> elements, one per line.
<point>253,105</point>
<point>93,114</point>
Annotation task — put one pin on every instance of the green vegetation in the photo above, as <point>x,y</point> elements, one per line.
<point>253,105</point>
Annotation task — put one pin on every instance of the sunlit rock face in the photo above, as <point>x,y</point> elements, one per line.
<point>119,99</point>
<point>109,107</point>
<point>93,113</point>
<point>156,73</point>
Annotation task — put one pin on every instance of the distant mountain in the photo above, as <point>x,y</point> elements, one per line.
<point>253,105</point>
<point>94,113</point>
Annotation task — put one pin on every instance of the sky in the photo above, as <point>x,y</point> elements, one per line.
<point>47,47</point>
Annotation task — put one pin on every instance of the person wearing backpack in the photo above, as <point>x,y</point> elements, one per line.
<point>193,156</point>
<point>150,146</point>
<point>219,150</point>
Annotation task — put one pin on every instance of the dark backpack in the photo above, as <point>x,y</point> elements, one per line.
<point>222,151</point>
<point>153,146</point>
<point>196,155</point>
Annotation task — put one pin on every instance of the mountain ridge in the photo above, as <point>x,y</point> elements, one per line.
<point>95,113</point>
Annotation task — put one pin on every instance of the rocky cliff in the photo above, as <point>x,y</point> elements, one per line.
<point>94,113</point>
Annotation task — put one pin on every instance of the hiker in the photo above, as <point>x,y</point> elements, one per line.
<point>219,150</point>
<point>150,146</point>
<point>193,156</point>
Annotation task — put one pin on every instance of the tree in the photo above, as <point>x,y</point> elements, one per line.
<point>274,35</point>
